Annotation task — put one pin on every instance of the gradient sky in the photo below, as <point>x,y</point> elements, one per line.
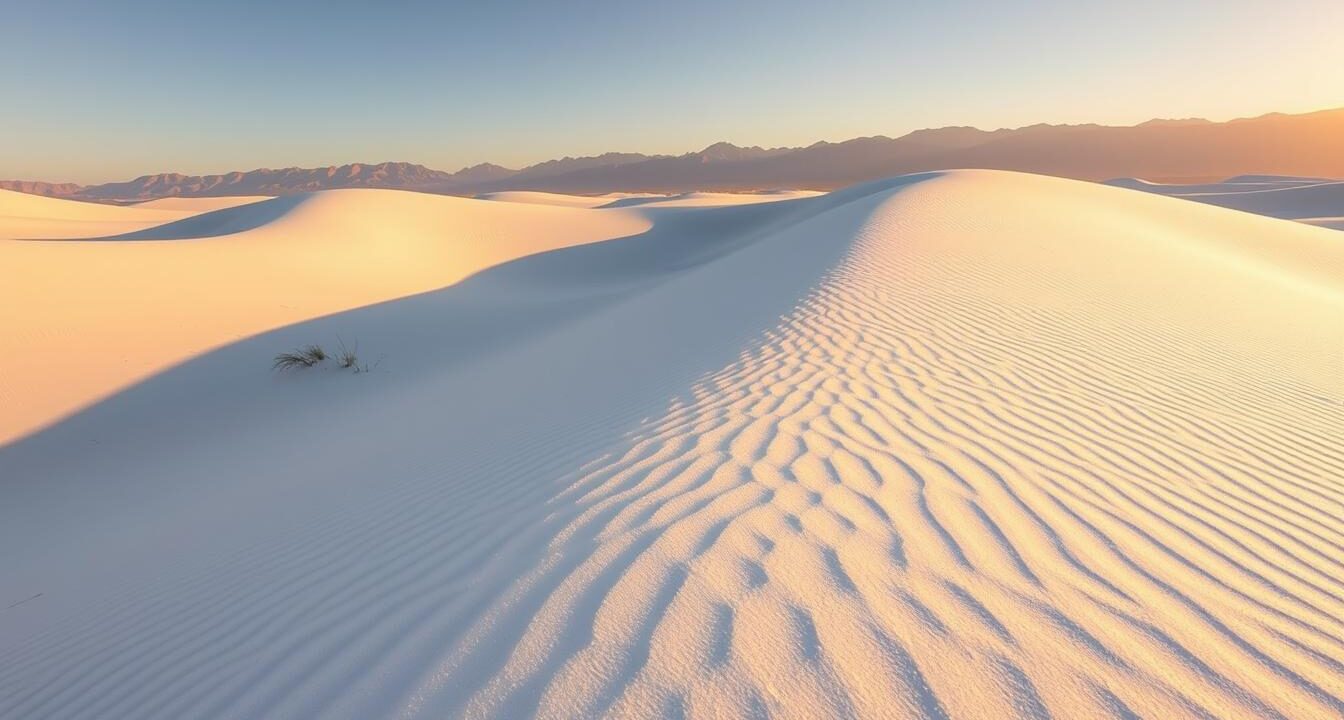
<point>97,90</point>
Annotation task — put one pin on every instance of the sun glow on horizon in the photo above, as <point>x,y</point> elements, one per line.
<point>205,89</point>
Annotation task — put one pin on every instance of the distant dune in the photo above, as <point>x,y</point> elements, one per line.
<point>965,444</point>
<point>616,200</point>
<point>35,216</point>
<point>201,204</point>
<point>545,198</point>
<point>1310,144</point>
<point>1315,201</point>
<point>146,298</point>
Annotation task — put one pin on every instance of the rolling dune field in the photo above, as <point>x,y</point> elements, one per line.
<point>963,444</point>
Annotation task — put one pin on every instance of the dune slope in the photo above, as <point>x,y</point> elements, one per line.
<point>132,300</point>
<point>1312,201</point>
<point>35,216</point>
<point>201,204</point>
<point>968,444</point>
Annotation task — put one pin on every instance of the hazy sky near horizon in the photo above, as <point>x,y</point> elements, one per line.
<point>96,91</point>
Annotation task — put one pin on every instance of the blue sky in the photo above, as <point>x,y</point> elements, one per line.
<point>98,91</point>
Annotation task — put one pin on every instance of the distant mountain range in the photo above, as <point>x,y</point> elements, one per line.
<point>1309,144</point>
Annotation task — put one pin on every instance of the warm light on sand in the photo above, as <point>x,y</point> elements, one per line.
<point>101,314</point>
<point>971,444</point>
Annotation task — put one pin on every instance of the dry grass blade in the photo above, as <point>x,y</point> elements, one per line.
<point>348,357</point>
<point>303,358</point>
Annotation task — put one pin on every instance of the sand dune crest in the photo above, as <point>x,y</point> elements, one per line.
<point>965,444</point>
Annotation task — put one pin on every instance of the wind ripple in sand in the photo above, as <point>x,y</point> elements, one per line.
<point>964,477</point>
<point>911,502</point>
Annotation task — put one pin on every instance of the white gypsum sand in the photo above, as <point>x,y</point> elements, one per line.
<point>201,204</point>
<point>964,444</point>
<point>100,314</point>
<point>1315,201</point>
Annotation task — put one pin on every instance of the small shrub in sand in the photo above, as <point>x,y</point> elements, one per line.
<point>302,358</point>
<point>348,358</point>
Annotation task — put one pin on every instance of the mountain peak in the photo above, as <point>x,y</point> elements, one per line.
<point>1159,148</point>
<point>726,151</point>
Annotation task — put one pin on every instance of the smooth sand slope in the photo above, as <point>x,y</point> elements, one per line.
<point>35,216</point>
<point>202,204</point>
<point>707,199</point>
<point>971,445</point>
<point>616,200</point>
<point>545,198</point>
<point>1315,201</point>
<point>92,317</point>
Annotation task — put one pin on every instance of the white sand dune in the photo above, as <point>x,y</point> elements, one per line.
<point>103,313</point>
<point>707,199</point>
<point>546,198</point>
<point>34,216</point>
<point>201,204</point>
<point>1275,179</point>
<point>1240,183</point>
<point>970,444</point>
<point>1314,201</point>
<point>1333,223</point>
<point>620,200</point>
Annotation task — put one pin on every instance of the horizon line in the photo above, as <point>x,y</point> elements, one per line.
<point>655,155</point>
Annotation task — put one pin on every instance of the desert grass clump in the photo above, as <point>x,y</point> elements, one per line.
<point>348,357</point>
<point>302,358</point>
